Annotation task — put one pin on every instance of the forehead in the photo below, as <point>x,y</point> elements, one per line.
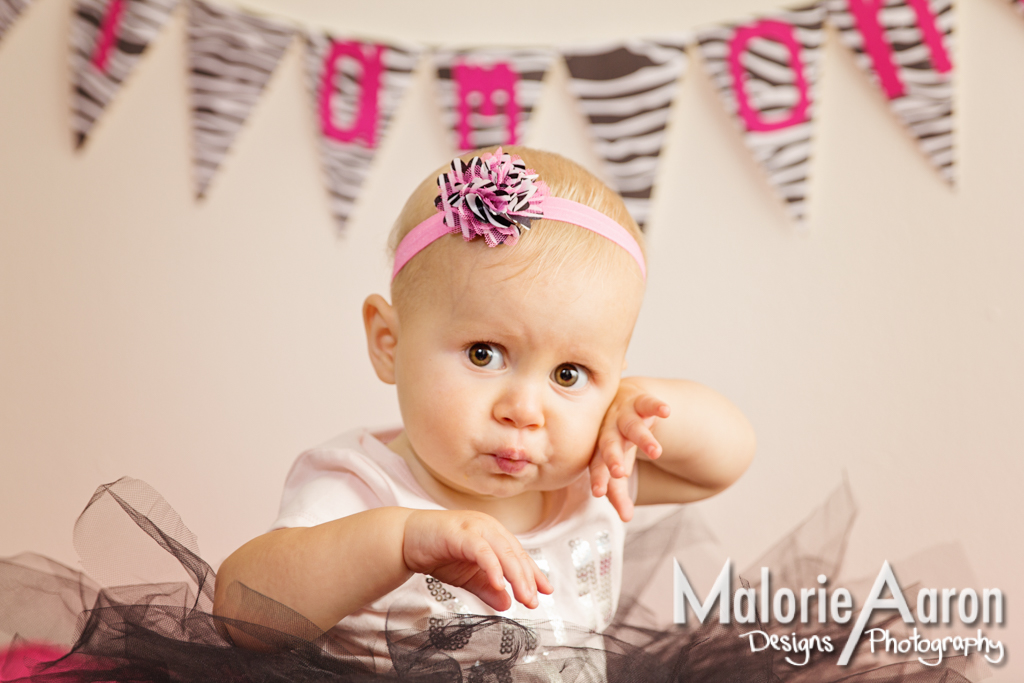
<point>569,307</point>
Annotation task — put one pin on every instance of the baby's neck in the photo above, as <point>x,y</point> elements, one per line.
<point>518,514</point>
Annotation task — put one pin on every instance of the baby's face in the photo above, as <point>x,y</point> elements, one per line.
<point>503,378</point>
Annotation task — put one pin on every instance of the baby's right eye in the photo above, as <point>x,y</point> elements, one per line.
<point>486,356</point>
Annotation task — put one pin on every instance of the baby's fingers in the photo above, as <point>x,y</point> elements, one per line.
<point>618,496</point>
<point>637,430</point>
<point>543,583</point>
<point>481,586</point>
<point>647,405</point>
<point>598,476</point>
<point>482,554</point>
<point>518,569</point>
<point>614,457</point>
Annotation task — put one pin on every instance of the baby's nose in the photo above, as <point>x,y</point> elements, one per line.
<point>520,406</point>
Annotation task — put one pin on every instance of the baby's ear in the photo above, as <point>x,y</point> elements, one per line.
<point>381,325</point>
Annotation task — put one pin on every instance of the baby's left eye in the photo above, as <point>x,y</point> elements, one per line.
<point>570,375</point>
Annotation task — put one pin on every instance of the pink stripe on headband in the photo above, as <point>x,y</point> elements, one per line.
<point>555,208</point>
<point>568,211</point>
<point>497,197</point>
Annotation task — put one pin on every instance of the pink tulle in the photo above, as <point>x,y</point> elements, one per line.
<point>22,659</point>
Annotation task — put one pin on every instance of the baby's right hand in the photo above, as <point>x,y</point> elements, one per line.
<point>472,550</point>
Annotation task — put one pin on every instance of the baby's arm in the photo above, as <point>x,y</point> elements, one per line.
<point>329,571</point>
<point>688,441</point>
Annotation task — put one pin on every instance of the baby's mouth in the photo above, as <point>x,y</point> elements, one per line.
<point>510,461</point>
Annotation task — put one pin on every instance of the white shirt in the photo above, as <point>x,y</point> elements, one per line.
<point>579,548</point>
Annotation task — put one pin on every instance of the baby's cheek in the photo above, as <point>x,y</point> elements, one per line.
<point>584,441</point>
<point>598,415</point>
<point>566,470</point>
<point>574,433</point>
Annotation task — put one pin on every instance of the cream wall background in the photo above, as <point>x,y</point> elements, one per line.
<point>200,347</point>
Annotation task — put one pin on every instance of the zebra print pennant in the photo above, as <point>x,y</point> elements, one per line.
<point>904,45</point>
<point>231,58</point>
<point>626,92</point>
<point>488,95</point>
<point>9,12</point>
<point>107,39</point>
<point>766,71</point>
<point>356,88</point>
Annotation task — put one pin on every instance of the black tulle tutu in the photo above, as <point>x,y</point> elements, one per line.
<point>152,620</point>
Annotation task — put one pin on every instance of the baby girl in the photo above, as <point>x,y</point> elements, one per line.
<point>518,278</point>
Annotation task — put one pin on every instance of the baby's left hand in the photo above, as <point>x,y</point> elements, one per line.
<point>626,426</point>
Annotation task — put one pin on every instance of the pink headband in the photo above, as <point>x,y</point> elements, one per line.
<point>498,197</point>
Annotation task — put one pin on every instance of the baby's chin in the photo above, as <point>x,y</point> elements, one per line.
<point>509,486</point>
<point>487,477</point>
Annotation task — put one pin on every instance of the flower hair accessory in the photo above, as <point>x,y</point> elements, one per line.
<point>496,196</point>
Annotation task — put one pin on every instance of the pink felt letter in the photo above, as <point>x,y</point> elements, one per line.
<point>364,121</point>
<point>865,14</point>
<point>107,34</point>
<point>782,33</point>
<point>931,35</point>
<point>501,78</point>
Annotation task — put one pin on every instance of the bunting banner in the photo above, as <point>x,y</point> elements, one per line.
<point>488,95</point>
<point>356,88</point>
<point>231,57</point>
<point>904,45</point>
<point>107,39</point>
<point>625,90</point>
<point>766,71</point>
<point>10,10</point>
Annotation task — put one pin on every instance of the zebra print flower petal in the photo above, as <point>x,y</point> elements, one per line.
<point>494,195</point>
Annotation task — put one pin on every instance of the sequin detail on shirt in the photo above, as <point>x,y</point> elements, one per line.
<point>586,577</point>
<point>594,577</point>
<point>547,602</point>
<point>604,575</point>
<point>444,596</point>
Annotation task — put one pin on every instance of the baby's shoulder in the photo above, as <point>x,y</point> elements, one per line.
<point>349,473</point>
<point>344,453</point>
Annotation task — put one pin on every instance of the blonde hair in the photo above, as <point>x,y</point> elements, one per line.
<point>548,245</point>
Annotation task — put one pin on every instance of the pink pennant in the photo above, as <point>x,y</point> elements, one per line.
<point>355,89</point>
<point>903,44</point>
<point>489,94</point>
<point>865,13</point>
<point>766,69</point>
<point>108,38</point>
